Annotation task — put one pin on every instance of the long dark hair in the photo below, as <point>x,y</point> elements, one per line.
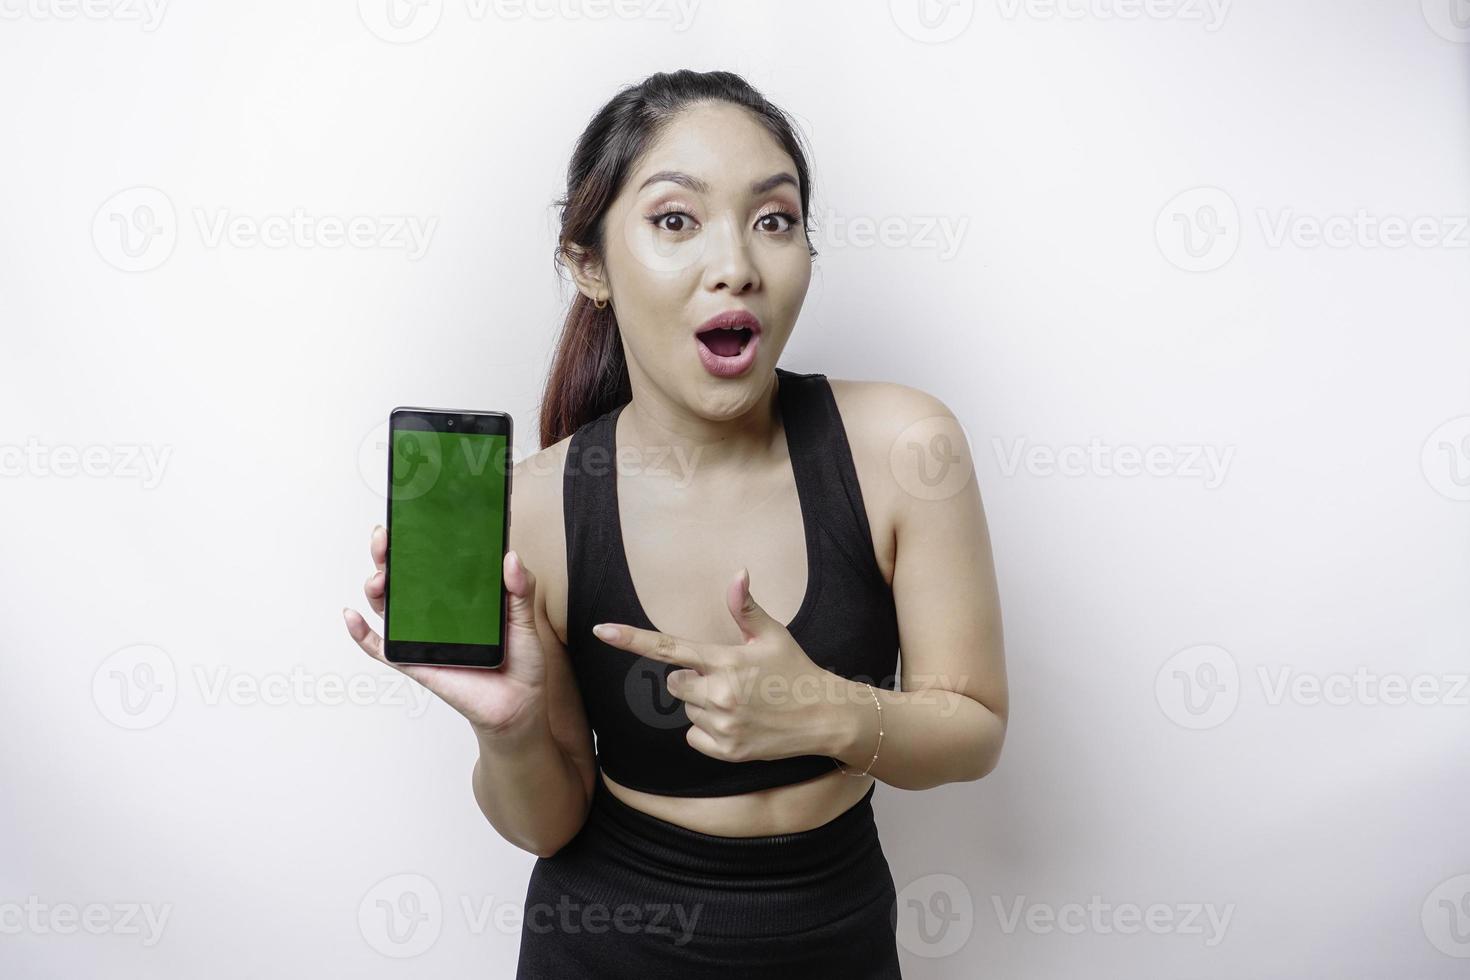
<point>589,374</point>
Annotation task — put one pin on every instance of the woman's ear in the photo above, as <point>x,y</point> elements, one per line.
<point>586,271</point>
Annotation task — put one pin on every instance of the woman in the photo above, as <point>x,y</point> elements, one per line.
<point>722,824</point>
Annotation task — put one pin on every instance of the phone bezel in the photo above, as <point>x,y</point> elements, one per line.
<point>482,655</point>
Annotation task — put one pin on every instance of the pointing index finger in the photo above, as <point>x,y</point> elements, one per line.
<point>652,644</point>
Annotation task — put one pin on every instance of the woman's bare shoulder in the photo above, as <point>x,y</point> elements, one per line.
<point>537,528</point>
<point>887,405</point>
<point>898,433</point>
<point>540,475</point>
<point>875,415</point>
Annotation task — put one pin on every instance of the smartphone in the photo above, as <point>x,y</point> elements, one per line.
<point>449,476</point>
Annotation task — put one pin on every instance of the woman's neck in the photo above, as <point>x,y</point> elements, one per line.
<point>655,425</point>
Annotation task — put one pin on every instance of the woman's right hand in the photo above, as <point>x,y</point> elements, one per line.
<point>495,701</point>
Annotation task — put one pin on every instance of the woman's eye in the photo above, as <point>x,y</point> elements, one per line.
<point>788,218</point>
<point>675,221</point>
<point>775,222</point>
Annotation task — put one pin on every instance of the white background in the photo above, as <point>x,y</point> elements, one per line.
<point>170,742</point>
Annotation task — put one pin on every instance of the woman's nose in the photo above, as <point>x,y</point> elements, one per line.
<point>728,262</point>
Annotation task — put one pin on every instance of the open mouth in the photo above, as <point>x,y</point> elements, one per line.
<point>725,341</point>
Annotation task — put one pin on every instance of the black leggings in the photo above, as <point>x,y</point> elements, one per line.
<point>633,896</point>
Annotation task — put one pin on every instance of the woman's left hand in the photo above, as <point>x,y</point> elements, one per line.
<point>760,699</point>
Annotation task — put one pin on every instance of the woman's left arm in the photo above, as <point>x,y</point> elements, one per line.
<point>948,721</point>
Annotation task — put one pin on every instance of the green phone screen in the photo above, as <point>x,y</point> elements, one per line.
<point>447,517</point>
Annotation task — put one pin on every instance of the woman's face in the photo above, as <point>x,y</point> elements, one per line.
<point>709,221</point>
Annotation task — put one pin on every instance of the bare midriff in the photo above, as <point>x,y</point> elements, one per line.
<point>777,810</point>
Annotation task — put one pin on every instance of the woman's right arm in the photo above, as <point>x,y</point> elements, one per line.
<point>535,772</point>
<point>534,780</point>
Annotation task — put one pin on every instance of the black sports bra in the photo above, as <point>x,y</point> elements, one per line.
<point>846,623</point>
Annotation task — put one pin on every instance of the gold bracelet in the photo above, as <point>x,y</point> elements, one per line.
<point>840,766</point>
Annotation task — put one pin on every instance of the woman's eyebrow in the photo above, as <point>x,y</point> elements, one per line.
<point>700,187</point>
